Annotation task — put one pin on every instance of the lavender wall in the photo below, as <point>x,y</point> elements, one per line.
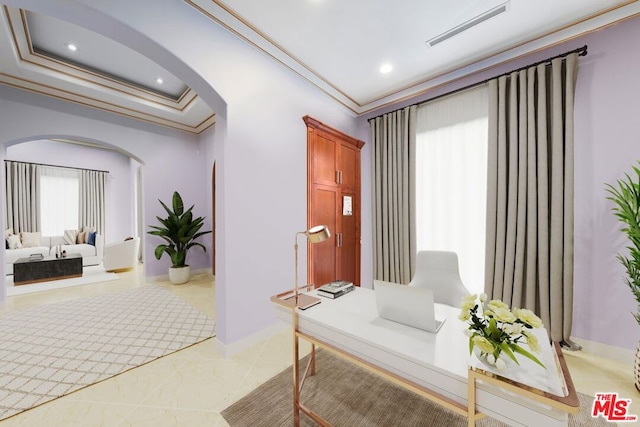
<point>606,145</point>
<point>119,197</point>
<point>607,129</point>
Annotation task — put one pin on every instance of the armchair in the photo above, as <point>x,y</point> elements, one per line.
<point>121,255</point>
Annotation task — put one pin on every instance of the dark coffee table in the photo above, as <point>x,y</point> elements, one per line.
<point>26,270</point>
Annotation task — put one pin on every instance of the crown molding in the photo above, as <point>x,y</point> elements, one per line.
<point>26,69</point>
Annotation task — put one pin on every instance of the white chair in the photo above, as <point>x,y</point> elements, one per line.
<point>439,271</point>
<point>121,255</point>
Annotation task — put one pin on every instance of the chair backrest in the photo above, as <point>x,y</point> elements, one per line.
<point>439,271</point>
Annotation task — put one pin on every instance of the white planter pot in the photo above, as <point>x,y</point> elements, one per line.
<point>179,275</point>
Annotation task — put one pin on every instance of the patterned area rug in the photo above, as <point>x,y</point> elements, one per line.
<point>49,351</point>
<point>347,395</point>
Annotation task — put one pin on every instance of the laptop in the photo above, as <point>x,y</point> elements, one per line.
<point>409,305</point>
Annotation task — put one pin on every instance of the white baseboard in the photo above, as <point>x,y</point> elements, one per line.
<point>230,350</point>
<point>165,277</point>
<point>618,354</point>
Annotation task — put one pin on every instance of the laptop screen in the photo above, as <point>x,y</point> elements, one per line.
<point>409,305</point>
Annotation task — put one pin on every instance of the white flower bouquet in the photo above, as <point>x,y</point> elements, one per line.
<point>499,330</point>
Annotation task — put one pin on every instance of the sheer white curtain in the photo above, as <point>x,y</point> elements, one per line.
<point>451,180</point>
<point>59,196</point>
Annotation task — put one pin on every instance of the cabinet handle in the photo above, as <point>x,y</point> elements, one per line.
<point>338,177</point>
<point>339,239</point>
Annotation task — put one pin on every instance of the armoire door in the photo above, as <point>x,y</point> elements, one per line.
<point>348,245</point>
<point>325,203</point>
<point>333,199</point>
<point>325,161</point>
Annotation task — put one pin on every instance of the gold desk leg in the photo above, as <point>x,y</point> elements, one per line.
<point>312,369</point>
<point>296,371</point>
<point>471,399</point>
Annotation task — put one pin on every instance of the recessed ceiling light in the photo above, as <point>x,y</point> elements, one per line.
<point>72,47</point>
<point>386,68</point>
<point>159,80</point>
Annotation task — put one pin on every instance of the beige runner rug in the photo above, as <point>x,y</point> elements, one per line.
<point>49,351</point>
<point>347,395</point>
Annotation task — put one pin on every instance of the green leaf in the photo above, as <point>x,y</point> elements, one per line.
<point>192,244</point>
<point>178,206</point>
<point>506,348</point>
<point>494,331</point>
<point>528,355</point>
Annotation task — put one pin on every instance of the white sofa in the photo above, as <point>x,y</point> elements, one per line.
<point>91,255</point>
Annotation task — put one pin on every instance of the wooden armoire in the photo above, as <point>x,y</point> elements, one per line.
<point>333,199</point>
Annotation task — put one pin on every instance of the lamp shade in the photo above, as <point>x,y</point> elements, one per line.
<point>318,233</point>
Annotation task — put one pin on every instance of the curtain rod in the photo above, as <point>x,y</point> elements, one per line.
<point>581,51</point>
<point>56,166</point>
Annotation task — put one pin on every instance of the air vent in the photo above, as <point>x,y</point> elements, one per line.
<point>470,23</point>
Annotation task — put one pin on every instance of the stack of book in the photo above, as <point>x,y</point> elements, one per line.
<point>335,289</point>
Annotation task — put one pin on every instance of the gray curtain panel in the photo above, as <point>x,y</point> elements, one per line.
<point>92,200</point>
<point>529,246</point>
<point>393,137</point>
<point>23,196</point>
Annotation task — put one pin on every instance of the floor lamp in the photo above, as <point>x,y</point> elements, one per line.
<point>316,234</point>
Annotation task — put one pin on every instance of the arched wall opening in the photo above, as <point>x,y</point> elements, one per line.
<point>123,186</point>
<point>168,160</point>
<point>171,157</point>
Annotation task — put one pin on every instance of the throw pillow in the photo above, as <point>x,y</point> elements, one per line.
<point>14,242</point>
<point>92,238</point>
<point>70,236</point>
<point>30,240</point>
<point>88,230</point>
<point>82,237</point>
<point>8,232</point>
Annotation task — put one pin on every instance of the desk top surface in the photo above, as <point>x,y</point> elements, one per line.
<point>355,315</point>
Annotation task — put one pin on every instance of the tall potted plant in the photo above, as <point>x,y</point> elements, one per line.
<point>179,230</point>
<point>626,197</point>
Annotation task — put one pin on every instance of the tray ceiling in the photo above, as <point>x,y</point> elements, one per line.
<point>100,73</point>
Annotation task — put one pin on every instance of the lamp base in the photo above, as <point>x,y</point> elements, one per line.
<point>304,301</point>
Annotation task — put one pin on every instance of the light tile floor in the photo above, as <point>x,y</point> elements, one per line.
<point>191,387</point>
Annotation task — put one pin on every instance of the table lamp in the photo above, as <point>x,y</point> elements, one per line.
<point>316,234</point>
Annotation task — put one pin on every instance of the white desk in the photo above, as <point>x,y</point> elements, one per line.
<point>436,366</point>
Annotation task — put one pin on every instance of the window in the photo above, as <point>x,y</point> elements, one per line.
<point>59,194</point>
<point>451,180</point>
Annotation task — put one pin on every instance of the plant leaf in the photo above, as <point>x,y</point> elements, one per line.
<point>528,355</point>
